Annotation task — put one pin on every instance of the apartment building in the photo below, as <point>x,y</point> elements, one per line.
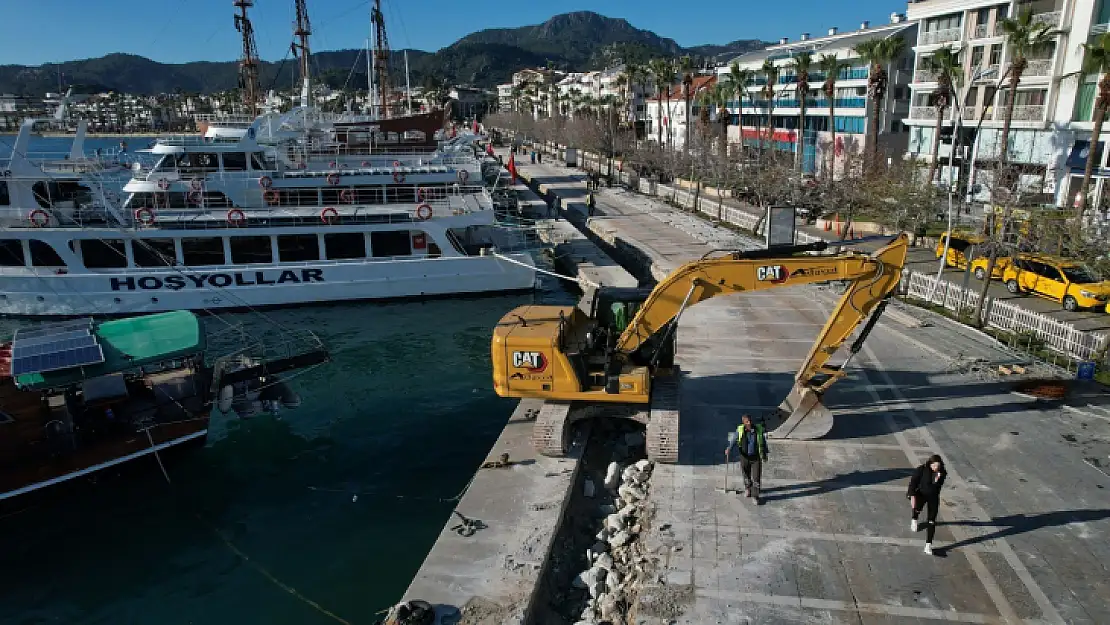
<point>1050,132</point>
<point>851,105</point>
<point>669,110</point>
<point>505,97</point>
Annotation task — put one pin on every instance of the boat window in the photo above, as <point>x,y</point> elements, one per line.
<point>251,250</point>
<point>345,245</point>
<point>300,197</point>
<point>260,163</point>
<point>11,253</point>
<point>235,161</point>
<point>198,162</point>
<point>153,252</point>
<point>404,194</point>
<point>294,248</point>
<point>390,243</point>
<point>43,255</point>
<point>207,251</point>
<point>103,253</point>
<point>5,199</point>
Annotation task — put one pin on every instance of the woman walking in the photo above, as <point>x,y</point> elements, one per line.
<point>924,493</point>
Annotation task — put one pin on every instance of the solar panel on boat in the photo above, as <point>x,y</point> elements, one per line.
<point>20,342</point>
<point>60,343</point>
<point>54,328</point>
<point>55,360</point>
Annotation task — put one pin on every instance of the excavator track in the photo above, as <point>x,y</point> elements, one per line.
<point>663,424</point>
<point>551,431</point>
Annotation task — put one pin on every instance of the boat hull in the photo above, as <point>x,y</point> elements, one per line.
<point>136,291</point>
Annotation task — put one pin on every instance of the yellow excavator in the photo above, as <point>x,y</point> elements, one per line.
<point>613,353</point>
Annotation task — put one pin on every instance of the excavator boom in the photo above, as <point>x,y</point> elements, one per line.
<point>612,350</point>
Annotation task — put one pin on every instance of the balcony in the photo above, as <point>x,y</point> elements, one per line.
<point>971,113</point>
<point>923,112</point>
<point>984,31</point>
<point>924,75</point>
<point>1022,112</point>
<point>1051,18</point>
<point>1038,67</point>
<point>939,36</point>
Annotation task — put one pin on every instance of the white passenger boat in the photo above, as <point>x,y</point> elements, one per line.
<point>231,223</point>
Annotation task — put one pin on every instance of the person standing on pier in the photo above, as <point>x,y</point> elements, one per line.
<point>924,492</point>
<point>752,441</point>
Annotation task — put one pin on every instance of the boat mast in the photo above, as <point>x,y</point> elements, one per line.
<point>248,65</point>
<point>381,56</point>
<point>408,85</point>
<point>369,82</point>
<point>301,31</point>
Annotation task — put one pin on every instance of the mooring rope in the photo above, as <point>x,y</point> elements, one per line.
<point>581,281</point>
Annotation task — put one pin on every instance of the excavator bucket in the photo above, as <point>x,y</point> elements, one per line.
<point>802,416</point>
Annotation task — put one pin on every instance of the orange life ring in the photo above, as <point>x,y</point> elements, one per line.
<point>194,197</point>
<point>396,164</point>
<point>424,212</point>
<point>328,214</point>
<point>271,197</point>
<point>265,182</point>
<point>196,184</point>
<point>398,177</point>
<point>45,221</point>
<point>347,196</point>
<point>236,217</point>
<point>145,216</point>
<point>333,179</point>
<point>463,175</point>
<point>422,193</point>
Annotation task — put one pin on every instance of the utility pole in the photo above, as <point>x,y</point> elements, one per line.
<point>301,30</point>
<point>381,56</point>
<point>248,65</point>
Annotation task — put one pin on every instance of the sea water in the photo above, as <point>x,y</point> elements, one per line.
<point>320,515</point>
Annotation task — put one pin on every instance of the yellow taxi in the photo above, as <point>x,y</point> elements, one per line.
<point>957,248</point>
<point>979,267</point>
<point>1057,279</point>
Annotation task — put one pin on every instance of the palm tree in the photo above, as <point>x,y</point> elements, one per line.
<point>830,66</point>
<point>719,97</point>
<point>768,92</point>
<point>686,68</point>
<point>878,53</point>
<point>1096,60</point>
<point>736,81</point>
<point>945,64</point>
<point>801,65</point>
<point>1024,37</point>
<point>662,74</point>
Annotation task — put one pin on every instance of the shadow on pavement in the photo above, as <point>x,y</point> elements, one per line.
<point>828,485</point>
<point>1014,524</point>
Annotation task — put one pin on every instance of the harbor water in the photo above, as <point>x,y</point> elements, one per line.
<point>318,515</point>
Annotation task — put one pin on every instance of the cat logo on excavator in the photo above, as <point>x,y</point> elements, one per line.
<point>772,273</point>
<point>534,362</point>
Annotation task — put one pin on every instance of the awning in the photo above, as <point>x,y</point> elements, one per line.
<point>1077,160</point>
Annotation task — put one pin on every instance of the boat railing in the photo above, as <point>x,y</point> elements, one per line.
<point>224,118</point>
<point>234,347</point>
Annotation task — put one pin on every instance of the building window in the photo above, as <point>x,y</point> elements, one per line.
<point>102,253</point>
<point>996,54</point>
<point>387,243</point>
<point>977,57</point>
<point>345,245</point>
<point>296,248</point>
<point>153,253</point>
<point>946,22</point>
<point>251,250</point>
<point>207,251</point>
<point>11,253</point>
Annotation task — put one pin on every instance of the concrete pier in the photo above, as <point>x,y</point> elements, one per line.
<point>1024,524</point>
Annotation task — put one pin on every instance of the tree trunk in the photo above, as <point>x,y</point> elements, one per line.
<point>933,169</point>
<point>873,131</point>
<point>689,135</point>
<point>1004,155</point>
<point>799,157</point>
<point>1100,115</point>
<point>659,123</point>
<point>832,142</point>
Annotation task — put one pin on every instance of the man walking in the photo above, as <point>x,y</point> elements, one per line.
<point>752,441</point>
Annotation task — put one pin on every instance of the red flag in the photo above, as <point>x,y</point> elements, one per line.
<point>489,149</point>
<point>512,167</point>
<point>475,126</point>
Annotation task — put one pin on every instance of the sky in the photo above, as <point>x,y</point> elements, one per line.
<point>178,31</point>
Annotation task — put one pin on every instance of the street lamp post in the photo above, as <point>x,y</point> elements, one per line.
<point>978,75</point>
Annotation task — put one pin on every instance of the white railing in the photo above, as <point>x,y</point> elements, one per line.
<point>1022,113</point>
<point>924,75</point>
<point>939,36</point>
<point>1099,29</point>
<point>983,31</point>
<point>970,112</point>
<point>1038,67</point>
<point>1059,336</point>
<point>923,112</point>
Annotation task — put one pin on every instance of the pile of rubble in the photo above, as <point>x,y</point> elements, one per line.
<point>617,560</point>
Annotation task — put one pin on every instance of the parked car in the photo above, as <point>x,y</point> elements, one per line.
<point>1059,279</point>
<point>958,248</point>
<point>979,267</point>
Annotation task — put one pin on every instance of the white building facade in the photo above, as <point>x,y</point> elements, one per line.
<point>851,106</point>
<point>1051,127</point>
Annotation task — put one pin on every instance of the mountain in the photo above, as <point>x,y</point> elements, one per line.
<point>578,41</point>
